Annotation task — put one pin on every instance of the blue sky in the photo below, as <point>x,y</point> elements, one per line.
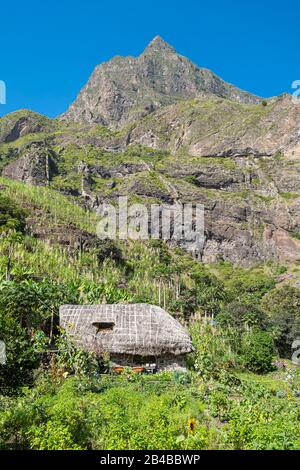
<point>49,49</point>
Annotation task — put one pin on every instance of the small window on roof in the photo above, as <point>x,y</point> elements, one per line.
<point>103,326</point>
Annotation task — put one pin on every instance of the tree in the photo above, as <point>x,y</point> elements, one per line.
<point>21,359</point>
<point>11,216</point>
<point>34,305</point>
<point>258,351</point>
<point>242,315</point>
<point>283,308</point>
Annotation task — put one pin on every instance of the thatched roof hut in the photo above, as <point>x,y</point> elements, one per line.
<point>126,330</point>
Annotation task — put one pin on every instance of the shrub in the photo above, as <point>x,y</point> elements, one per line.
<point>11,216</point>
<point>108,249</point>
<point>258,351</point>
<point>283,308</point>
<point>72,359</point>
<point>21,358</point>
<point>215,349</point>
<point>34,303</point>
<point>52,436</point>
<point>241,316</point>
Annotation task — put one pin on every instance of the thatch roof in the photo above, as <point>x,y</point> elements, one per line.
<point>134,329</point>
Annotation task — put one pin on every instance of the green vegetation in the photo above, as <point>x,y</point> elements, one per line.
<point>258,351</point>
<point>11,216</point>
<point>295,235</point>
<point>231,397</point>
<point>290,196</point>
<point>54,205</point>
<point>85,410</point>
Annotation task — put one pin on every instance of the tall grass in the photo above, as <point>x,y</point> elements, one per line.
<point>59,207</point>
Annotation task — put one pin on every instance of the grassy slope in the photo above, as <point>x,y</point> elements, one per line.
<point>249,415</point>
<point>59,209</point>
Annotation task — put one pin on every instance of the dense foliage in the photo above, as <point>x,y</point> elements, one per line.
<point>167,410</point>
<point>12,217</point>
<point>54,396</point>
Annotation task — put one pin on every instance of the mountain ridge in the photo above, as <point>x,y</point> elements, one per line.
<point>124,89</point>
<point>240,160</point>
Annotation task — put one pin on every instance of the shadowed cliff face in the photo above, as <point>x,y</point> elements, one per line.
<point>127,88</point>
<point>191,138</point>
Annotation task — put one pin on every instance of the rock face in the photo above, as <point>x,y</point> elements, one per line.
<point>191,138</point>
<point>35,166</point>
<point>127,88</point>
<point>21,123</point>
<point>219,127</point>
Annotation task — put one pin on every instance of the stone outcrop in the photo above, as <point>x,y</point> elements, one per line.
<point>157,128</point>
<point>219,127</point>
<point>128,88</point>
<point>21,123</point>
<point>35,165</point>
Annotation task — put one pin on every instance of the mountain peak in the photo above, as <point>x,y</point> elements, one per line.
<point>120,91</point>
<point>158,44</point>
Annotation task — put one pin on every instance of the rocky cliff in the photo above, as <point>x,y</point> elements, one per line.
<point>128,88</point>
<point>159,129</point>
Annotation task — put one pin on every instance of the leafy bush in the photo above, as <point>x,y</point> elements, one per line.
<point>120,417</point>
<point>215,349</point>
<point>149,412</point>
<point>52,436</point>
<point>72,359</point>
<point>34,303</point>
<point>263,423</point>
<point>21,359</point>
<point>11,216</point>
<point>283,308</point>
<point>108,249</point>
<point>241,316</point>
<point>258,351</point>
